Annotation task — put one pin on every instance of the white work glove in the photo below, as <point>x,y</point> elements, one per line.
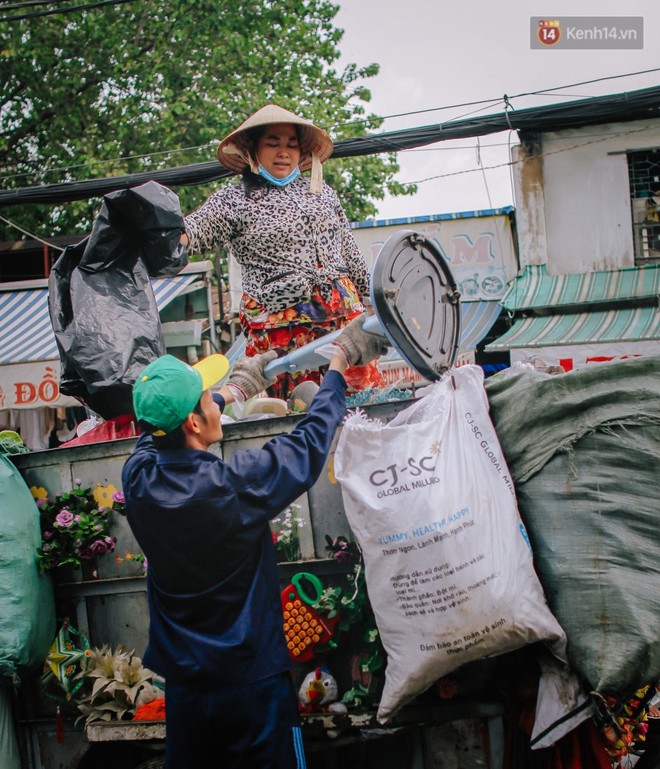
<point>248,377</point>
<point>358,346</point>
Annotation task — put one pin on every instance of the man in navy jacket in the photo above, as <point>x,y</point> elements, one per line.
<point>203,523</point>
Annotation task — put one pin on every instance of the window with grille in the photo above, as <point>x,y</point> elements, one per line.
<point>644,176</point>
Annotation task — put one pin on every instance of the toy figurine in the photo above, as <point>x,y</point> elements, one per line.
<point>319,693</point>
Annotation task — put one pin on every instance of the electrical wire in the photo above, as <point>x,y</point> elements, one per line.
<point>480,167</point>
<point>486,103</point>
<point>66,169</point>
<point>68,9</point>
<point>30,234</point>
<point>542,92</point>
<point>538,156</point>
<point>27,4</point>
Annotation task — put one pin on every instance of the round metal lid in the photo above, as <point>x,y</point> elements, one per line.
<point>417,303</point>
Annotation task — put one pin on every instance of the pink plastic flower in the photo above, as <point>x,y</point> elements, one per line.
<point>100,546</point>
<point>64,519</point>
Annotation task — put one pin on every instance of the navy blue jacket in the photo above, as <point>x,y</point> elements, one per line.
<point>203,524</point>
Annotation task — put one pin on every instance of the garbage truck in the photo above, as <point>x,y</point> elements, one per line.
<point>580,453</point>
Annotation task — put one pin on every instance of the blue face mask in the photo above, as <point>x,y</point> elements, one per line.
<point>279,182</point>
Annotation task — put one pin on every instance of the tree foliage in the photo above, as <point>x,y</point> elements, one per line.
<point>149,84</point>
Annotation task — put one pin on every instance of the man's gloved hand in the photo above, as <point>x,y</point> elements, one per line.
<point>358,346</point>
<point>248,374</point>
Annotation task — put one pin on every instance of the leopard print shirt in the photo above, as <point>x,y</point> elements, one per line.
<point>285,239</point>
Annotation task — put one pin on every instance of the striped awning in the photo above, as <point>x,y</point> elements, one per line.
<point>621,325</point>
<point>26,333</point>
<point>477,319</point>
<point>535,289</point>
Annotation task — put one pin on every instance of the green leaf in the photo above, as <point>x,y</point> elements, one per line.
<point>88,94</point>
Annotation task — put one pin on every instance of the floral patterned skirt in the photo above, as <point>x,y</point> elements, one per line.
<point>300,324</point>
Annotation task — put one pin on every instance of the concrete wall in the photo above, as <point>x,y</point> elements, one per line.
<point>573,207</point>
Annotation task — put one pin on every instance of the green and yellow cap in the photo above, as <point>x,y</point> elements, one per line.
<point>168,390</point>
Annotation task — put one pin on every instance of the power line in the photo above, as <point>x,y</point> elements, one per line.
<point>491,102</point>
<point>480,167</point>
<point>65,169</point>
<point>26,4</point>
<point>68,9</point>
<point>540,155</point>
<point>634,104</point>
<point>485,104</point>
<point>30,234</point>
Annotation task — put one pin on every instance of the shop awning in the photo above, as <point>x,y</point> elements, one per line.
<point>477,319</point>
<point>619,325</point>
<point>535,289</point>
<point>26,333</point>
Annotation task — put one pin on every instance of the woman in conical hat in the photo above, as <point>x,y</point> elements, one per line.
<point>236,151</point>
<point>302,272</point>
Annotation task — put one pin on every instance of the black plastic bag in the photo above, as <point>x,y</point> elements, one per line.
<point>101,302</point>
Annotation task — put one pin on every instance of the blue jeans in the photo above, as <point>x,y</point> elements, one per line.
<point>256,726</point>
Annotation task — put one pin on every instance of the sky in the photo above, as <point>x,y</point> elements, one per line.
<point>436,55</point>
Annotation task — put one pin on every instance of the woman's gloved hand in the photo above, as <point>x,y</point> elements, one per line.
<point>248,374</point>
<point>358,346</point>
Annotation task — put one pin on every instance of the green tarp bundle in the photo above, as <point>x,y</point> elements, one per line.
<point>583,450</point>
<point>27,606</point>
<point>9,750</point>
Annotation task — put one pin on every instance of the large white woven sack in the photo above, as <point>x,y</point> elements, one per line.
<point>448,564</point>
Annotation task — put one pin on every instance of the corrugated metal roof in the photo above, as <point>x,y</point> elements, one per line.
<point>622,325</point>
<point>26,333</point>
<point>535,289</point>
<point>475,214</point>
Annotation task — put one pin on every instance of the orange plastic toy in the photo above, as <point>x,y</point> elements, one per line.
<point>303,627</point>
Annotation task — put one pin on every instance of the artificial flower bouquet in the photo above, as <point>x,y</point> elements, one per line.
<point>75,526</point>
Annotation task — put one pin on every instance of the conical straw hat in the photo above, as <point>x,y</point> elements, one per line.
<point>315,144</point>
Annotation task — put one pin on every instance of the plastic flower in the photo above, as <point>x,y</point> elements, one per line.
<point>75,527</point>
<point>103,495</point>
<point>64,519</point>
<point>101,546</point>
<point>38,492</point>
<point>137,557</point>
<point>286,536</point>
<point>342,549</point>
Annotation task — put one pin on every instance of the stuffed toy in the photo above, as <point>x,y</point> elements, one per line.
<point>319,693</point>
